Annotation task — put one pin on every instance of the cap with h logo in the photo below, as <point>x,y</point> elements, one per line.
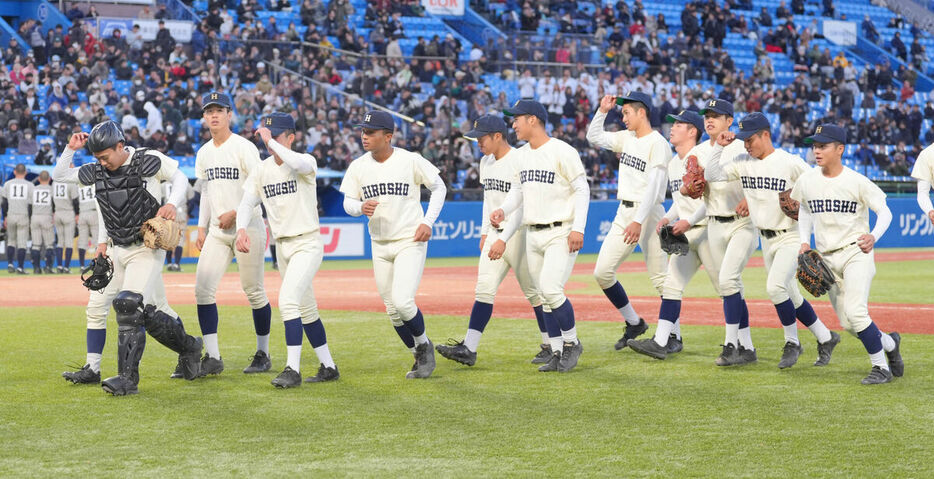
<point>528,107</point>
<point>751,124</point>
<point>378,120</point>
<point>721,107</point>
<point>218,98</point>
<point>687,116</point>
<point>636,97</point>
<point>827,133</point>
<point>278,123</point>
<point>486,125</point>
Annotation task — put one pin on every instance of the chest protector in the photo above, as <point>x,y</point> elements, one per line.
<point>124,202</point>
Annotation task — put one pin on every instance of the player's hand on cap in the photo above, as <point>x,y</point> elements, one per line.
<point>78,140</point>
<point>202,235</point>
<point>369,207</point>
<point>742,208</point>
<point>680,227</point>
<point>632,233</point>
<point>101,250</point>
<point>243,241</point>
<point>866,242</point>
<point>575,241</point>
<point>497,217</point>
<point>227,220</point>
<point>661,224</point>
<point>264,133</point>
<point>482,241</point>
<point>497,249</point>
<point>423,233</point>
<point>726,138</point>
<point>607,103</point>
<point>168,211</point>
<point>805,247</point>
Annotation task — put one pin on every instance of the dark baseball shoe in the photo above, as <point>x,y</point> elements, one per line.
<point>790,354</point>
<point>275,266</point>
<point>675,344</point>
<point>458,352</point>
<point>36,270</point>
<point>21,271</point>
<point>260,363</point>
<point>211,365</point>
<point>728,357</point>
<point>424,362</point>
<point>631,332</point>
<point>288,378</point>
<point>66,270</point>
<point>745,356</point>
<point>10,269</point>
<point>895,356</point>
<point>188,364</point>
<point>59,270</point>
<point>324,375</point>
<point>825,349</point>
<point>570,356</point>
<point>178,374</point>
<point>85,375</point>
<point>649,348</point>
<point>543,356</point>
<point>119,386</point>
<point>878,376</point>
<point>552,364</point>
<point>48,270</point>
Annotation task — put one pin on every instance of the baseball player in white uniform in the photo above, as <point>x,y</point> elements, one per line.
<point>87,221</point>
<point>732,236</point>
<point>497,172</point>
<point>17,200</point>
<point>385,185</point>
<point>224,163</point>
<point>550,197</point>
<point>643,162</point>
<point>688,216</point>
<point>835,201</point>
<point>285,184</point>
<point>64,198</point>
<point>764,173</point>
<point>923,171</point>
<point>41,226</point>
<point>182,219</point>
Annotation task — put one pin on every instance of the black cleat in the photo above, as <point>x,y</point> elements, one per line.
<point>10,269</point>
<point>178,374</point>
<point>570,356</point>
<point>48,270</point>
<point>324,375</point>
<point>211,365</point>
<point>260,364</point>
<point>424,362</point>
<point>675,344</point>
<point>188,364</point>
<point>728,357</point>
<point>85,375</point>
<point>825,349</point>
<point>288,378</point>
<point>632,332</point>
<point>36,270</point>
<point>745,356</point>
<point>649,348</point>
<point>878,376</point>
<point>21,271</point>
<point>119,386</point>
<point>552,364</point>
<point>59,270</point>
<point>790,354</point>
<point>458,352</point>
<point>543,356</point>
<point>66,270</point>
<point>895,356</point>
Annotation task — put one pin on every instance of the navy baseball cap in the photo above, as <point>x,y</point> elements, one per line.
<point>751,124</point>
<point>528,107</point>
<point>687,116</point>
<point>278,123</point>
<point>486,125</point>
<point>721,107</point>
<point>218,98</point>
<point>635,97</point>
<point>827,133</point>
<point>378,120</point>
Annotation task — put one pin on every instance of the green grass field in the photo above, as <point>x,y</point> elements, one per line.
<point>618,414</point>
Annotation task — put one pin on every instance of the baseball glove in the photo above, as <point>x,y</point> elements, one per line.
<point>813,274</point>
<point>101,271</point>
<point>693,179</point>
<point>672,243</point>
<point>161,233</point>
<point>788,205</point>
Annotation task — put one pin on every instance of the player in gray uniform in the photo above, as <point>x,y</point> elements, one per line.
<point>40,224</point>
<point>65,201</point>
<point>17,196</point>
<point>87,221</point>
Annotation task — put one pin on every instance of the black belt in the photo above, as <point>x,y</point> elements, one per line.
<point>627,203</point>
<point>545,226</point>
<point>498,230</point>
<point>771,233</point>
<point>724,219</point>
<point>839,249</point>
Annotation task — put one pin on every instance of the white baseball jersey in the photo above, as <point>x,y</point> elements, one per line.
<point>721,197</point>
<point>839,206</point>
<point>545,175</point>
<point>87,200</point>
<point>396,185</point>
<point>42,200</point>
<point>290,198</point>
<point>18,194</point>
<point>637,156</point>
<point>762,181</point>
<point>62,196</point>
<point>924,165</point>
<point>182,209</point>
<point>497,177</point>
<point>686,205</point>
<point>226,168</point>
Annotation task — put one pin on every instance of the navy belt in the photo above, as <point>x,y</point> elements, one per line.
<point>724,219</point>
<point>839,249</point>
<point>627,203</point>
<point>545,226</point>
<point>498,230</point>
<point>771,233</point>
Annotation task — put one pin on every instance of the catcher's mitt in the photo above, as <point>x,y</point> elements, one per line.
<point>101,271</point>
<point>693,180</point>
<point>161,233</point>
<point>672,243</point>
<point>813,274</point>
<point>788,205</point>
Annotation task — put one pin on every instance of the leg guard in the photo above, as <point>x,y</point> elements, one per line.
<point>131,342</point>
<point>171,333</point>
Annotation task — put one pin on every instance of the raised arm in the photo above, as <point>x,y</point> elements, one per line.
<point>596,134</point>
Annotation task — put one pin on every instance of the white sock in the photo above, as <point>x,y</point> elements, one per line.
<point>820,331</point>
<point>557,344</point>
<point>262,343</point>
<point>745,338</point>
<point>663,331</point>
<point>888,344</point>
<point>412,350</point>
<point>629,314</point>
<point>472,339</point>
<point>570,336</point>
<point>791,333</point>
<point>732,331</point>
<point>94,359</point>
<point>324,355</point>
<point>677,328</point>
<point>544,337</point>
<point>421,339</point>
<point>878,359</point>
<point>295,357</point>
<point>210,345</point>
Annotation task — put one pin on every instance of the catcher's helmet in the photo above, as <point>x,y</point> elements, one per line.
<point>105,135</point>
